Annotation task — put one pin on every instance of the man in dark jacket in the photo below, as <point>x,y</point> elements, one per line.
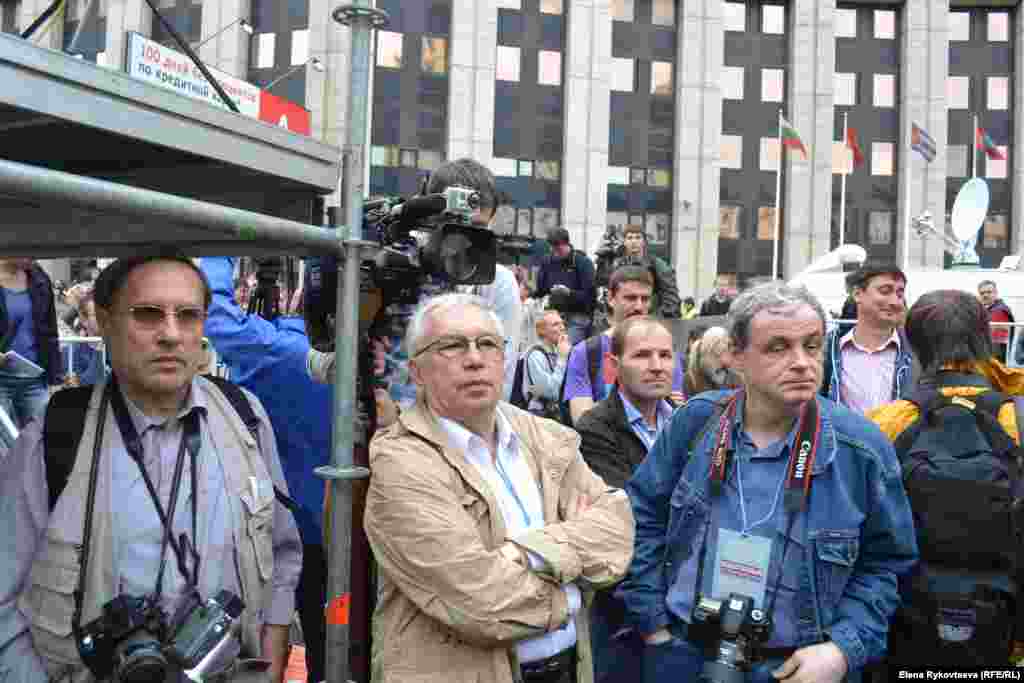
<point>568,277</point>
<point>634,251</point>
<point>719,302</point>
<point>28,326</point>
<point>616,435</point>
<point>998,312</point>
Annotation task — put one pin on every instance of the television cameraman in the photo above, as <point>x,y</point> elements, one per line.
<point>395,389</point>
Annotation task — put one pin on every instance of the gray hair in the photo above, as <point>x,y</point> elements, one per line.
<point>770,295</point>
<point>414,333</point>
<point>466,173</point>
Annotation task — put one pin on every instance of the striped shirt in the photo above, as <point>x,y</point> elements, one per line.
<point>867,373</point>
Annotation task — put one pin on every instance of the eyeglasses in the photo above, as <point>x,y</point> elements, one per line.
<point>153,316</point>
<point>490,346</point>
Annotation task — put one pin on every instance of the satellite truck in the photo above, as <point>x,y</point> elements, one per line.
<point>827,279</point>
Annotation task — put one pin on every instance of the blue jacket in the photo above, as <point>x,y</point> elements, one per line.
<point>903,379</point>
<point>856,536</point>
<point>269,359</point>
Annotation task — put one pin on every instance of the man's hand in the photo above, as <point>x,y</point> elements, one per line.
<point>678,398</point>
<point>379,346</point>
<point>581,505</point>
<point>275,648</point>
<point>387,410</point>
<point>822,663</point>
<point>658,637</point>
<point>564,347</point>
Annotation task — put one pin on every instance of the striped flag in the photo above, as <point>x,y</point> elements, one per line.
<point>790,138</point>
<point>921,142</point>
<point>854,145</point>
<point>986,145</point>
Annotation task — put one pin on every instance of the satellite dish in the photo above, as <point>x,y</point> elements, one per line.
<point>969,209</point>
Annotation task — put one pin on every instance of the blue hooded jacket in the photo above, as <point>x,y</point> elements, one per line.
<point>269,359</point>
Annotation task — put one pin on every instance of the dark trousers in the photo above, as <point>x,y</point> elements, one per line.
<point>617,650</point>
<point>311,599</point>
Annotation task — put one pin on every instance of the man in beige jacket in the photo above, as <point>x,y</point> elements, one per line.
<point>488,526</point>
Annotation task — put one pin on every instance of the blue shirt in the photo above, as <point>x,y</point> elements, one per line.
<point>639,425</point>
<point>19,314</point>
<point>763,472</point>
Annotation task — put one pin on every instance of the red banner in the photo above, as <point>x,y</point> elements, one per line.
<point>284,113</point>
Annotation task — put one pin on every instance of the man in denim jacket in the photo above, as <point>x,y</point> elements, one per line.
<point>820,555</point>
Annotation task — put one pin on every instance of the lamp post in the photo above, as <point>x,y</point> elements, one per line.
<point>314,62</point>
<point>242,24</point>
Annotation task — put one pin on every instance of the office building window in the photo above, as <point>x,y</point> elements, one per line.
<point>998,27</point>
<point>846,23</point>
<point>661,78</point>
<point>885,90</point>
<point>845,89</point>
<point>622,10</point>
<point>503,168</point>
<point>958,91</point>
<point>996,168</point>
<point>959,26</point>
<point>885,24</point>
<point>880,227</point>
<point>729,222</point>
<point>300,47</point>
<point>265,50</point>
<point>734,16</point>
<point>842,158</point>
<point>998,93</point>
<point>773,19</point>
<point>732,82</point>
<point>766,222</point>
<point>772,85</point>
<point>389,50</point>
<point>663,13</point>
<point>881,158</point>
<point>435,55</point>
<point>507,64</point>
<point>769,154</point>
<point>956,161</point>
<point>385,155</point>
<point>659,177</point>
<point>549,67</point>
<point>623,73</point>
<point>731,151</point>
<point>551,6</point>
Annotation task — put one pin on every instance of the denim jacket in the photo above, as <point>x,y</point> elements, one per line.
<point>848,547</point>
<point>904,375</point>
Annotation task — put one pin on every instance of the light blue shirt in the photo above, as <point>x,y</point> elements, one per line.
<point>639,425</point>
<point>522,509</point>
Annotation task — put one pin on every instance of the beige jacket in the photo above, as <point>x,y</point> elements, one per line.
<point>47,601</point>
<point>452,605</point>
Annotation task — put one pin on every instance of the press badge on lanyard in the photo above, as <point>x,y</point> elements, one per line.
<point>743,559</point>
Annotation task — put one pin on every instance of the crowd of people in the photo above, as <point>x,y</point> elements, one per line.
<point>551,500</point>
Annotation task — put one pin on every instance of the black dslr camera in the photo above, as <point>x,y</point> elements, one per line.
<point>730,633</point>
<point>131,642</point>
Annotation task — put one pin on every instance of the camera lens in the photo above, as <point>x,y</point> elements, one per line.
<point>140,660</point>
<point>456,255</point>
<point>720,672</point>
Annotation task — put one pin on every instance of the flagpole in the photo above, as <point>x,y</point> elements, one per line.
<point>778,191</point>
<point>974,147</point>
<point>906,216</point>
<point>842,181</point>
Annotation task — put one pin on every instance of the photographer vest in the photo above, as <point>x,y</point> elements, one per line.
<point>47,600</point>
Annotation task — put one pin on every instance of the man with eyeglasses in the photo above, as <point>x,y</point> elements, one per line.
<point>485,521</point>
<point>158,443</point>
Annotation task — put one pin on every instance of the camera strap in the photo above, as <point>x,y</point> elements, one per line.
<point>798,479</point>
<point>133,444</point>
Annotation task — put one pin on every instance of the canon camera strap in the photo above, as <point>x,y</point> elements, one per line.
<point>801,460</point>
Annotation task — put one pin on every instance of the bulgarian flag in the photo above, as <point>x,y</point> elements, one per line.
<point>790,138</point>
<point>854,145</point>
<point>986,145</point>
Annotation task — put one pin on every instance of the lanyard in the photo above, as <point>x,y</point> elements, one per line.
<point>801,461</point>
<point>511,489</point>
<point>190,442</point>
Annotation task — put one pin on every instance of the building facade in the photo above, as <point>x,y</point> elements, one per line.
<point>598,113</point>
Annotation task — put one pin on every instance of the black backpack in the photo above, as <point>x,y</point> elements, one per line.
<point>65,421</point>
<point>962,474</point>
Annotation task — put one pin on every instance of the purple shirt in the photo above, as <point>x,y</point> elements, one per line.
<point>577,373</point>
<point>867,373</point>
